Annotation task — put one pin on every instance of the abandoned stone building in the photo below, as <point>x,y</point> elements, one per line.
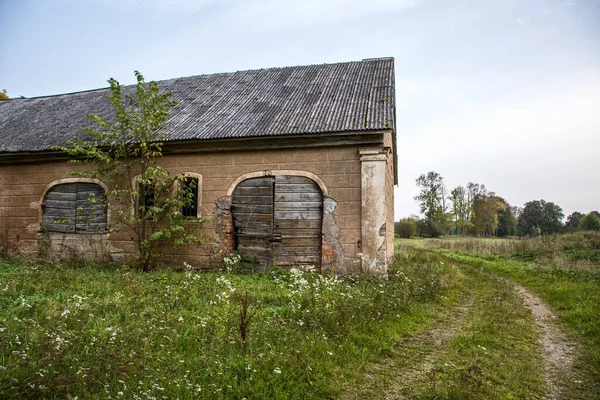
<point>293,165</point>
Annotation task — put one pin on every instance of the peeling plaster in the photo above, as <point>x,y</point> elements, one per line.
<point>224,229</point>
<point>373,205</point>
<point>331,241</point>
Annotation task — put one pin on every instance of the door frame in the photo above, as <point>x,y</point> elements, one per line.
<point>275,172</point>
<point>227,239</point>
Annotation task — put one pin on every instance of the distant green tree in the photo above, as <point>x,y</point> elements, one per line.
<point>460,209</point>
<point>572,223</point>
<point>3,95</point>
<point>405,228</point>
<point>486,210</point>
<point>516,211</point>
<point>429,229</point>
<point>474,190</point>
<point>545,216</point>
<point>552,218</point>
<point>589,222</point>
<point>432,195</point>
<point>507,223</point>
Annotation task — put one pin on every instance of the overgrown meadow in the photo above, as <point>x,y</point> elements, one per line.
<point>563,270</point>
<point>94,332</point>
<point>575,251</point>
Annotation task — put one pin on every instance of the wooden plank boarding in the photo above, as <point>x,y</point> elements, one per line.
<point>295,179</point>
<point>278,220</point>
<point>299,214</point>
<point>254,200</point>
<point>293,187</point>
<point>296,205</point>
<point>252,210</point>
<point>298,219</point>
<point>75,208</point>
<point>297,197</point>
<point>266,181</point>
<point>254,191</point>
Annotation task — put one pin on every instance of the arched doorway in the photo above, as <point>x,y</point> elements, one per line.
<point>277,220</point>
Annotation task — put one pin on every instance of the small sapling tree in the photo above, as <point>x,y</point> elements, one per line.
<point>145,199</point>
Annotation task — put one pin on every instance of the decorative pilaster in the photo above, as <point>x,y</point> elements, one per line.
<point>373,217</point>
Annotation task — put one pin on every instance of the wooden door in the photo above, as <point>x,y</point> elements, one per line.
<point>297,221</point>
<point>252,210</point>
<point>277,220</point>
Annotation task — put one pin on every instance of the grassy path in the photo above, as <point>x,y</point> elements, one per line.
<point>416,355</point>
<point>494,340</point>
<point>559,350</point>
<point>566,307</point>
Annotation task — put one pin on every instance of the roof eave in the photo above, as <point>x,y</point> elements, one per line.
<point>324,139</point>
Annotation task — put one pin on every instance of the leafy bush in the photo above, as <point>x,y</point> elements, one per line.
<point>429,229</point>
<point>405,228</point>
<point>589,222</point>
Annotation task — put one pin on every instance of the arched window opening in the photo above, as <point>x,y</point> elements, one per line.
<point>75,208</point>
<point>189,185</point>
<point>146,200</point>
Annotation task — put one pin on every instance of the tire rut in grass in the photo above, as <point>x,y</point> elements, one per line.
<point>559,351</point>
<point>414,357</point>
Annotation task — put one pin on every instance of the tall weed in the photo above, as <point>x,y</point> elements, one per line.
<point>579,250</point>
<point>91,332</point>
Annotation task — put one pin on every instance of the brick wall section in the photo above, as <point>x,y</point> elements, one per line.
<point>328,257</point>
<point>22,185</point>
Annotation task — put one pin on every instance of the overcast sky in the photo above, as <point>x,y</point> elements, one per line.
<point>504,93</point>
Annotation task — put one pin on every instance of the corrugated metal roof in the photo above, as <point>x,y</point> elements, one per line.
<point>311,99</point>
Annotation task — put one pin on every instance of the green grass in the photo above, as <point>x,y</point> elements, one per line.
<point>496,356</point>
<point>563,271</point>
<point>96,332</point>
<point>93,332</point>
<point>574,296</point>
<point>483,345</point>
<point>579,250</point>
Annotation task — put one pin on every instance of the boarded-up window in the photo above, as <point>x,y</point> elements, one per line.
<point>74,208</point>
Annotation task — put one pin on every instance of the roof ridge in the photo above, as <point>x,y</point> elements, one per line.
<point>364,60</point>
<point>61,94</point>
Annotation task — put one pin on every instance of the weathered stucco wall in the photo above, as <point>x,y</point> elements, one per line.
<point>389,196</point>
<point>22,186</point>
